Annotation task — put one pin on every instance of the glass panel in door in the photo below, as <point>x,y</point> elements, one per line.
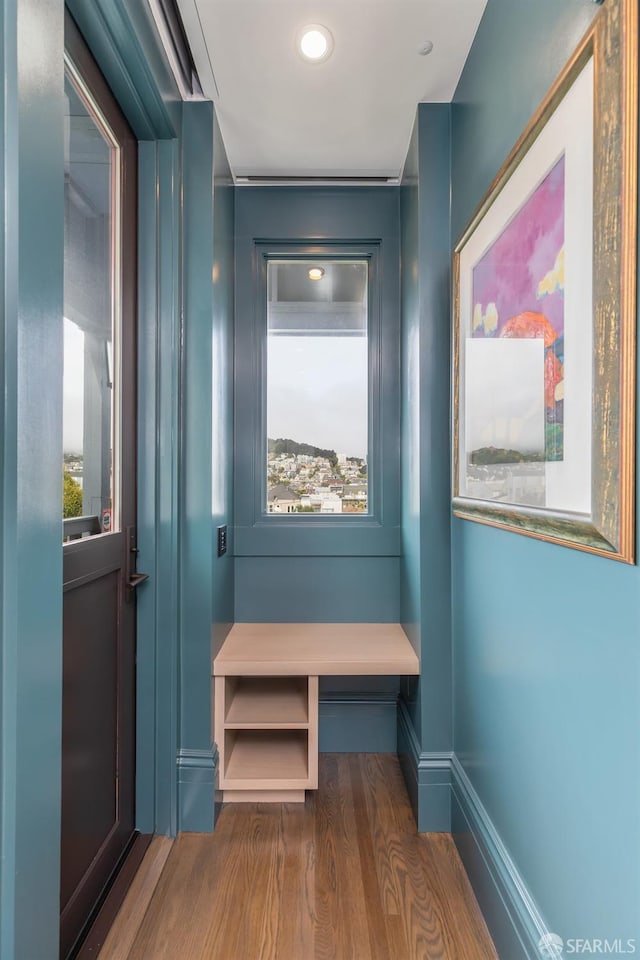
<point>91,335</point>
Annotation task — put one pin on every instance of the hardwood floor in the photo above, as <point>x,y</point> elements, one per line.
<point>344,876</point>
<point>124,930</point>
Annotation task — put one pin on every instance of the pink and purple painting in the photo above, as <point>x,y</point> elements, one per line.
<point>518,293</point>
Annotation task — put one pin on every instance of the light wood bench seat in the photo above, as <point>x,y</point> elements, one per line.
<point>267,728</point>
<point>318,649</point>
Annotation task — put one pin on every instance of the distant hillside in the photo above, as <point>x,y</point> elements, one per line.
<point>306,449</point>
<point>489,455</point>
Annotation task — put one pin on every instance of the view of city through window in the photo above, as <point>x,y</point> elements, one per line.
<point>317,387</point>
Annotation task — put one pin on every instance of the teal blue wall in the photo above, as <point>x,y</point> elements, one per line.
<point>425,710</point>
<point>206,441</point>
<point>31,475</point>
<point>344,571</point>
<point>196,535</point>
<point>317,589</point>
<point>410,583</point>
<point>222,387</point>
<point>158,474</point>
<point>546,639</point>
<point>195,758</point>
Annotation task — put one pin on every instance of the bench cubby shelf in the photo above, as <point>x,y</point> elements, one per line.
<point>266,698</point>
<point>267,734</point>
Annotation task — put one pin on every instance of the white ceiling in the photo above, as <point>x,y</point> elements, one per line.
<point>349,116</point>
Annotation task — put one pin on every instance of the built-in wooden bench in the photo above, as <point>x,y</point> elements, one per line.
<point>266,698</point>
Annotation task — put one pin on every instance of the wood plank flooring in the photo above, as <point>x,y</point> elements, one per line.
<point>343,877</point>
<point>130,916</point>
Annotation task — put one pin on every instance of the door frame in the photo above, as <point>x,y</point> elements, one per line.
<point>122,38</point>
<point>176,759</point>
<point>91,563</point>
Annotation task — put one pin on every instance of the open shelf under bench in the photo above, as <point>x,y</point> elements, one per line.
<point>266,698</point>
<point>254,758</point>
<point>278,702</point>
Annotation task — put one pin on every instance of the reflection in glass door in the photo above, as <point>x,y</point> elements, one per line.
<point>91,335</point>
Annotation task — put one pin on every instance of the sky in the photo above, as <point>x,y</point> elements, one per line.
<point>317,392</point>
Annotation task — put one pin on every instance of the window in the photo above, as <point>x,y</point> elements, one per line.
<point>317,387</point>
<point>91,323</point>
<point>351,326</point>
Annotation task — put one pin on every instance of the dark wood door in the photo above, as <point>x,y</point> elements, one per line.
<point>98,724</point>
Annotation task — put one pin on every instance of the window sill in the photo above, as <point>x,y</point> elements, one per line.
<point>295,537</point>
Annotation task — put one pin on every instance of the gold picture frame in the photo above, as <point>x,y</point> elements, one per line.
<point>569,476</point>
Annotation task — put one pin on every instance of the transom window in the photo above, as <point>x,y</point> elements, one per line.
<point>317,387</point>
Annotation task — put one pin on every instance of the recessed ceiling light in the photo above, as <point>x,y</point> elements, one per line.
<point>314,42</point>
<point>425,47</point>
<point>316,273</point>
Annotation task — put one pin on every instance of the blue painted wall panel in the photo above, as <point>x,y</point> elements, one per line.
<point>206,600</point>
<point>434,131</point>
<point>425,570</point>
<point>148,487</point>
<point>317,589</point>
<point>158,481</point>
<point>546,652</point>
<point>357,726</point>
<point>222,386</point>
<point>31,486</point>
<point>196,533</point>
<point>410,384</point>
<point>321,213</point>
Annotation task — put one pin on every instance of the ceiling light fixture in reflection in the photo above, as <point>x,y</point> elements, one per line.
<point>314,43</point>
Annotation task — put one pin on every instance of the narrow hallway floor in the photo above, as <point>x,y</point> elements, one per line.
<point>344,876</point>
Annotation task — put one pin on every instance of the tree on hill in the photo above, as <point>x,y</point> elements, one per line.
<point>486,456</point>
<point>293,448</point>
<point>71,497</point>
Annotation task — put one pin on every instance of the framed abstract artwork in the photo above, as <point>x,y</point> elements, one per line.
<point>544,313</point>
